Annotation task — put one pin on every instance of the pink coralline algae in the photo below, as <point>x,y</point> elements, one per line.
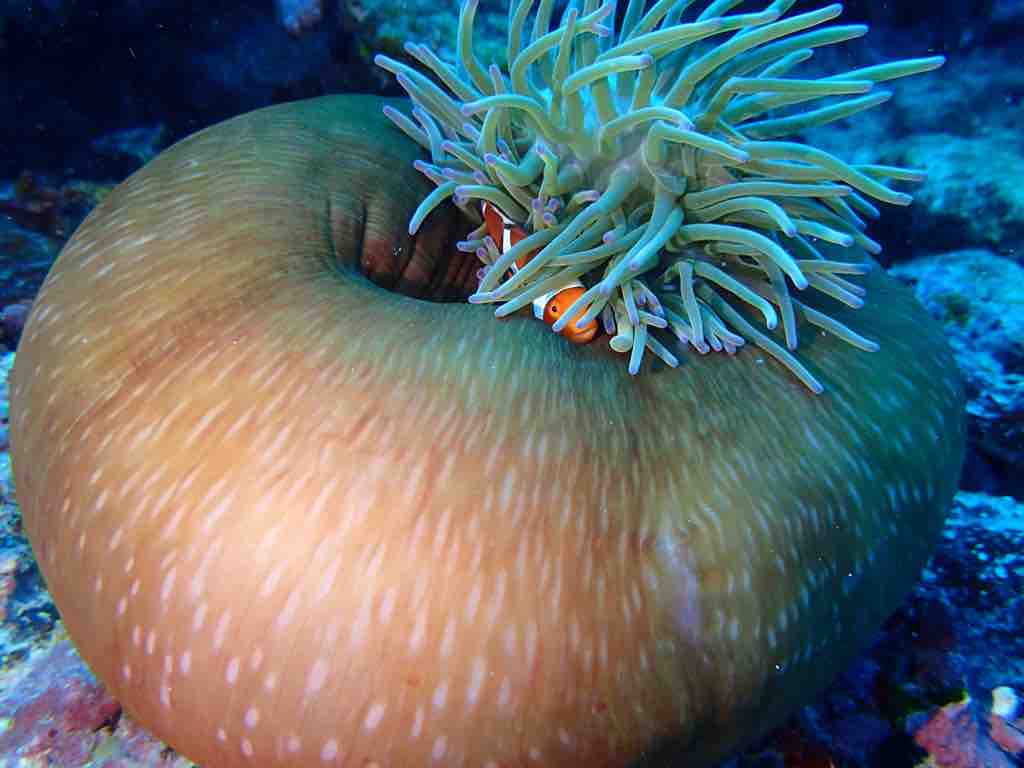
<point>1006,720</point>
<point>966,734</point>
<point>54,712</point>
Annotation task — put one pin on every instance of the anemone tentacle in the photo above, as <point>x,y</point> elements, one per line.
<point>658,164</point>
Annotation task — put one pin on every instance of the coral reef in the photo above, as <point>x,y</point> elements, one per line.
<point>979,298</point>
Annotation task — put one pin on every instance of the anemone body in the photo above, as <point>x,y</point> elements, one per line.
<point>647,161</point>
<point>292,516</point>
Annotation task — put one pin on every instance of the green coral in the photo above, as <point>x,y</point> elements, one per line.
<point>651,162</point>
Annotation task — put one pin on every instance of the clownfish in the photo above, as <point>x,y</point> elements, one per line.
<point>506,233</point>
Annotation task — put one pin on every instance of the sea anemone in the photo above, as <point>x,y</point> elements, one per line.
<point>651,161</point>
<point>298,507</point>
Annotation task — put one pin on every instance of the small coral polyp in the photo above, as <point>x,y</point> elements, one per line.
<point>649,164</point>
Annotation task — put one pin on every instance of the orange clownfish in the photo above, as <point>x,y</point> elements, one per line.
<point>506,233</point>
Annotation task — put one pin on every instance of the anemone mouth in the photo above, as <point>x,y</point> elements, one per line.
<point>654,164</point>
<point>431,268</point>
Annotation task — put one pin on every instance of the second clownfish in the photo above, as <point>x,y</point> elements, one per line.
<point>506,233</point>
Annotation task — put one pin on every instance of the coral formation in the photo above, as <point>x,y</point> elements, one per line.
<point>652,162</point>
